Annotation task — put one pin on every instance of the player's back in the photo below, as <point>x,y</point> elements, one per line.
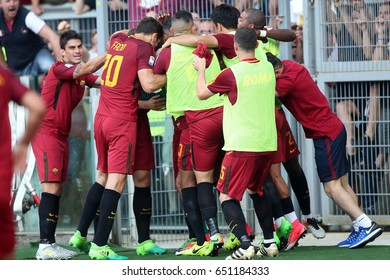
<point>302,97</point>
<point>226,48</point>
<point>121,88</point>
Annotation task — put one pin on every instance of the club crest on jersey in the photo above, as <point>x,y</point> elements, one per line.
<point>152,60</point>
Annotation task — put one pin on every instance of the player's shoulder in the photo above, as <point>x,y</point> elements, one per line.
<point>122,38</point>
<point>61,64</point>
<point>144,47</point>
<point>223,36</point>
<point>292,65</point>
<point>165,52</point>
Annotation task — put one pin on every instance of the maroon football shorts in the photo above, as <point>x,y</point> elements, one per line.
<point>287,147</point>
<point>115,141</point>
<point>244,170</point>
<point>52,157</point>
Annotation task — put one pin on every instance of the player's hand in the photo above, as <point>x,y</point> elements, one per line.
<point>155,103</point>
<point>199,63</point>
<point>163,16</point>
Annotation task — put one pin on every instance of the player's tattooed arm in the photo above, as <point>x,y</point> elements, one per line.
<point>78,67</point>
<point>90,66</point>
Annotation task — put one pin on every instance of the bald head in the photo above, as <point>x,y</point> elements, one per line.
<point>255,17</point>
<point>182,23</point>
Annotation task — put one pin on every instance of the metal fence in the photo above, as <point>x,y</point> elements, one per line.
<point>349,57</point>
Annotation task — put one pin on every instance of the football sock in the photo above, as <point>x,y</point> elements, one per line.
<point>301,190</point>
<point>194,216</point>
<point>91,206</point>
<point>288,209</point>
<point>208,206</point>
<point>263,212</point>
<point>271,192</point>
<point>108,208</point>
<point>142,207</point>
<point>235,219</point>
<point>363,221</point>
<point>48,217</point>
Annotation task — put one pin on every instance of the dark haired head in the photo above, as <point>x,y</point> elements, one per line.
<point>246,38</point>
<point>132,31</point>
<point>150,25</point>
<point>167,24</point>
<point>225,15</point>
<point>275,61</point>
<point>67,36</point>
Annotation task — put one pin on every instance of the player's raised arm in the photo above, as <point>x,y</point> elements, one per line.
<point>192,40</point>
<point>91,66</point>
<point>283,35</point>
